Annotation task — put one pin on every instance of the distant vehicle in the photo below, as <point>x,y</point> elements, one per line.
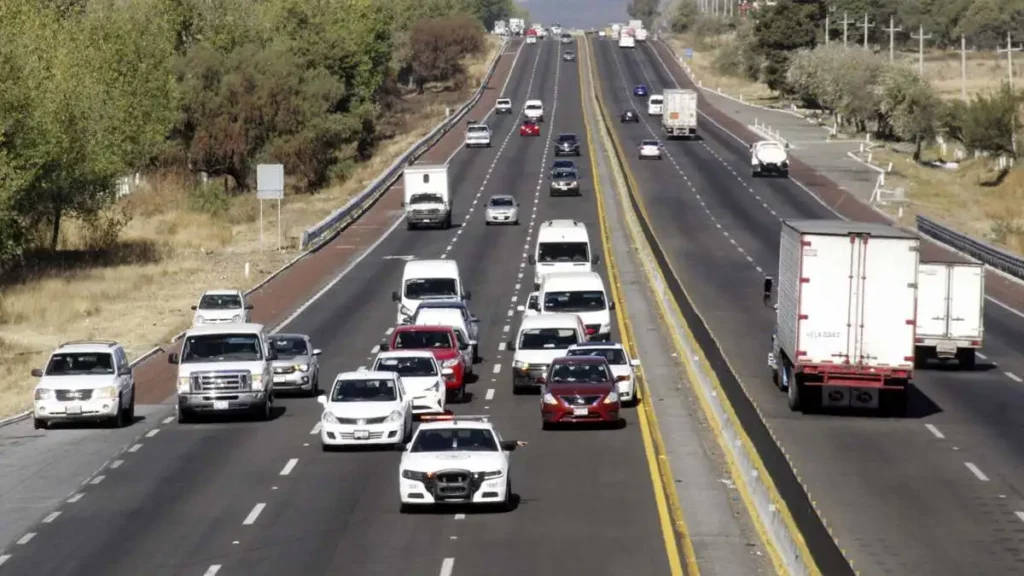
<point>569,56</point>
<point>655,105</point>
<point>298,364</point>
<point>221,307</point>
<point>563,165</point>
<point>629,116</point>
<point>950,312</point>
<point>601,34</point>
<point>529,128</point>
<point>640,90</point>
<point>679,116</point>
<point>769,157</point>
<point>534,110</point>
<point>565,183</point>
<point>650,149</point>
<point>579,390</point>
<point>88,380</point>
<point>567,145</point>
<point>502,209</point>
<point>623,367</point>
<point>503,106</point>
<point>365,407</point>
<point>478,135</point>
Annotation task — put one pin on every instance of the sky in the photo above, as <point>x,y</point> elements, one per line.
<point>576,13</point>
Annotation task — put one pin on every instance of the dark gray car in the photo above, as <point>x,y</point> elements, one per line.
<point>567,145</point>
<point>297,367</point>
<point>565,183</point>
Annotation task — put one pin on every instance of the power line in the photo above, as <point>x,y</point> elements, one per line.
<point>920,37</point>
<point>865,26</point>
<point>892,30</point>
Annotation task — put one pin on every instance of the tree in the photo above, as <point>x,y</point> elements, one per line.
<point>908,106</point>
<point>644,10</point>
<point>684,16</point>
<point>784,28</point>
<point>992,122</point>
<point>439,46</point>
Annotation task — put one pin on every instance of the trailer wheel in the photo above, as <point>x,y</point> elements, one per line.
<point>793,387</point>
<point>966,358</point>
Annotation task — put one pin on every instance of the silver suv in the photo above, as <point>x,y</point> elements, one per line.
<point>478,135</point>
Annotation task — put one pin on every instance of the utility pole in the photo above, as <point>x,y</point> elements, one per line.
<point>1009,57</point>
<point>963,67</point>
<point>826,28</point>
<point>892,30</point>
<point>865,26</point>
<point>920,37</point>
<point>846,24</point>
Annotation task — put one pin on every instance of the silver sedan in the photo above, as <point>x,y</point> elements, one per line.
<point>502,209</point>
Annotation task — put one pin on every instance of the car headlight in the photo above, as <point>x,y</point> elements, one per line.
<point>550,399</point>
<point>450,363</point>
<point>184,384</point>
<point>236,318</point>
<point>44,394</point>
<point>414,475</point>
<point>257,381</point>
<point>395,416</point>
<point>200,320</point>
<point>328,418</point>
<point>105,393</point>
<point>612,398</point>
<point>519,365</point>
<point>301,367</point>
<point>490,474</point>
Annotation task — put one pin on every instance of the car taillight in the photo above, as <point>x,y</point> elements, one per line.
<point>591,331</point>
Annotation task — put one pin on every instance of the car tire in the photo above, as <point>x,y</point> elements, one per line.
<point>404,508</point>
<point>39,424</point>
<point>487,222</point>
<point>265,411</point>
<point>117,420</point>
<point>460,395</point>
<point>129,415</point>
<point>545,425</point>
<point>517,222</point>
<point>185,416</point>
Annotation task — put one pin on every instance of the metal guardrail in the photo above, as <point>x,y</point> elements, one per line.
<point>325,230</point>
<point>981,251</point>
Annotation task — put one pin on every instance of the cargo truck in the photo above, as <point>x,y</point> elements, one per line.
<point>427,200</point>
<point>516,26</point>
<point>846,315</point>
<point>636,24</point>
<point>950,312</point>
<point>616,28</point>
<point>626,39</point>
<point>679,113</point>
<point>640,35</point>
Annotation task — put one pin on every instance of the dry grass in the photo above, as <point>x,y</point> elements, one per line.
<point>986,71</point>
<point>139,293</point>
<point>705,51</point>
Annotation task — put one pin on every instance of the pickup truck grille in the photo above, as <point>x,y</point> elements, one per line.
<point>227,381</point>
<point>73,395</point>
<point>430,212</point>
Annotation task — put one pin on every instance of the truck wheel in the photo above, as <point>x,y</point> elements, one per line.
<point>793,388</point>
<point>39,424</point>
<point>448,222</point>
<point>184,416</point>
<point>966,358</point>
<point>785,173</point>
<point>409,226</point>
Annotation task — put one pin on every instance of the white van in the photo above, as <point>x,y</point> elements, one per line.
<point>562,246</point>
<point>452,318</point>
<point>580,293</point>
<point>655,105</point>
<point>539,340</point>
<point>428,280</point>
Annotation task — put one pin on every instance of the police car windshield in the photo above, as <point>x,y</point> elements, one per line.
<point>455,440</point>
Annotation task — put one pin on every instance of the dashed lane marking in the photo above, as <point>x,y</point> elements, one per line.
<point>289,466</point>
<point>26,538</point>
<point>935,431</point>
<point>490,394</point>
<point>116,464</point>
<point>51,517</point>
<point>97,479</point>
<point>447,566</point>
<point>75,498</point>
<point>135,447</point>
<point>1013,377</point>
<point>212,570</point>
<point>254,514</point>
<point>152,432</point>
<point>976,471</point>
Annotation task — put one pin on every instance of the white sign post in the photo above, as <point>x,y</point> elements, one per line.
<point>270,186</point>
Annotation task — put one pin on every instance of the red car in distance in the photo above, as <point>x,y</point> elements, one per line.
<point>442,342</point>
<point>529,128</point>
<point>579,389</point>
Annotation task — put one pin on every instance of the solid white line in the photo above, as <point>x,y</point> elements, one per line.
<point>976,471</point>
<point>935,431</point>
<point>497,368</point>
<point>75,498</point>
<point>289,467</point>
<point>490,394</point>
<point>152,432</point>
<point>4,558</point>
<point>1018,514</point>
<point>212,570</point>
<point>116,464</point>
<point>254,514</point>
<point>97,479</point>
<point>135,448</point>
<point>169,419</point>
<point>25,539</point>
<point>447,565</point>
<point>315,430</point>
<point>1013,377</point>
<point>51,517</point>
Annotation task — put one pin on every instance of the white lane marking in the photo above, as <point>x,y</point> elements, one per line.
<point>980,355</point>
<point>152,432</point>
<point>4,558</point>
<point>254,514</point>
<point>51,517</point>
<point>116,464</point>
<point>75,498</point>
<point>497,368</point>
<point>1018,514</point>
<point>135,448</point>
<point>511,312</point>
<point>460,516</point>
<point>289,467</point>
<point>976,471</point>
<point>447,565</point>
<point>490,394</point>
<point>375,349</point>
<point>97,479</point>
<point>168,420</point>
<point>505,328</point>
<point>935,431</point>
<point>1013,377</point>
<point>315,430</point>
<point>26,538</point>
<point>389,331</point>
<point>501,346</point>
<point>212,570</point>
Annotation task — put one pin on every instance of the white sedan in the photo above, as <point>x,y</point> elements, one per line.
<point>650,149</point>
<point>365,407</point>
<point>623,367</point>
<point>421,376</point>
<point>457,460</point>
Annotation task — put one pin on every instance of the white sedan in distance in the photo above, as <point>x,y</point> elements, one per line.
<point>456,460</point>
<point>503,106</point>
<point>623,367</point>
<point>421,376</point>
<point>502,209</point>
<point>363,408</point>
<point>650,149</point>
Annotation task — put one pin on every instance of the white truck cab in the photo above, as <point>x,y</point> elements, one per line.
<point>655,105</point>
<point>88,380</point>
<point>224,368</point>
<point>478,135</point>
<point>503,106</point>
<point>427,280</point>
<point>769,157</point>
<point>534,110</point>
<point>428,200</point>
<point>580,293</point>
<point>562,246</point>
<point>539,340</point>
<point>221,307</point>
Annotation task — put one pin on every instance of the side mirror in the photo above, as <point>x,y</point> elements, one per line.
<point>384,345</point>
<point>447,372</point>
<point>321,399</point>
<point>474,319</point>
<point>400,447</point>
<point>173,358</point>
<point>532,260</point>
<point>317,352</point>
<point>786,146</point>
<point>468,295</point>
<point>248,306</point>
<point>611,305</point>
<point>596,260</point>
<point>395,297</point>
<point>195,307</point>
<point>634,362</point>
<point>509,445</point>
<point>522,308</point>
<point>768,282</point>
<point>511,345</point>
<point>271,355</point>
<point>37,373</point>
<point>463,346</point>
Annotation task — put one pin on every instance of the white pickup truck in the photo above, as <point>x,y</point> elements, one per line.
<point>769,157</point>
<point>534,110</point>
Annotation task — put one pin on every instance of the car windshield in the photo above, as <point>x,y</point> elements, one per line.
<point>421,288</point>
<point>504,102</point>
<point>533,106</point>
<point>221,348</point>
<point>563,164</point>
<point>68,364</point>
<point>564,175</point>
<point>650,143</point>
<point>454,440</point>
<point>614,356</point>
<point>289,347</point>
<point>508,202</point>
<point>409,366</point>
<point>478,129</point>
<point>420,339</point>
<point>566,137</point>
<point>564,252</point>
<point>547,339</point>
<point>364,391</point>
<point>656,99</point>
<point>220,302</point>
<point>426,199</point>
<point>574,372</point>
<point>574,301</point>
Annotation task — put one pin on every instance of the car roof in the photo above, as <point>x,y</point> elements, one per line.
<point>405,354</point>
<point>365,375</point>
<point>431,269</point>
<point>87,347</point>
<point>442,303</point>
<point>562,230</point>
<point>581,360</point>
<point>422,328</point>
<point>450,424</point>
<point>235,328</point>
<point>596,346</point>
<point>439,313</point>
<point>561,320</point>
<point>472,126</point>
<point>279,335</point>
<point>578,280</point>
<point>534,101</point>
<point>222,292</point>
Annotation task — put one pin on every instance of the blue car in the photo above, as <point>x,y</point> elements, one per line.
<point>640,90</point>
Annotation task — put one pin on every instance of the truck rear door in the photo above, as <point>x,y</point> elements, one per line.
<point>966,301</point>
<point>932,301</point>
<point>887,286</point>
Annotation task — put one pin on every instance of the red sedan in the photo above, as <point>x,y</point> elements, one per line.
<point>580,389</point>
<point>529,128</point>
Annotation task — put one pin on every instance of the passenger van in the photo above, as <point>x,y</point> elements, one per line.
<point>655,105</point>
<point>428,280</point>
<point>539,340</point>
<point>580,293</point>
<point>562,246</point>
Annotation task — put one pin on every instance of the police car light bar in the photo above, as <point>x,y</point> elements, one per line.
<point>455,418</point>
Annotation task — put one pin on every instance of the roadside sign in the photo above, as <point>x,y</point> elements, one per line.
<point>689,53</point>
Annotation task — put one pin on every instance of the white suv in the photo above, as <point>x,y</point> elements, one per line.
<point>478,135</point>
<point>534,110</point>
<point>503,106</point>
<point>221,307</point>
<point>85,380</point>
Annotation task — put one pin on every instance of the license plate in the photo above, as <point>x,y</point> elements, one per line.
<point>361,434</point>
<point>73,409</point>
<point>580,411</point>
<point>220,405</point>
<point>946,347</point>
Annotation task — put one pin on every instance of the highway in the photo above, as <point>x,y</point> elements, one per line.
<point>938,492</point>
<point>253,498</point>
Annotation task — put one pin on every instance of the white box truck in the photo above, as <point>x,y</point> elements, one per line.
<point>950,311</point>
<point>846,315</point>
<point>636,24</point>
<point>427,197</point>
<point>641,35</point>
<point>616,28</point>
<point>516,26</point>
<point>626,39</point>
<point>679,115</point>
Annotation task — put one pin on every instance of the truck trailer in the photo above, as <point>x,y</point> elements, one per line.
<point>846,315</point>
<point>679,113</point>
<point>950,312</point>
